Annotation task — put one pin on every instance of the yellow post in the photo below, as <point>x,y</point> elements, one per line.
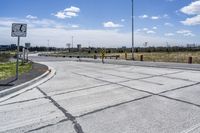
<point>102,55</point>
<point>126,56</point>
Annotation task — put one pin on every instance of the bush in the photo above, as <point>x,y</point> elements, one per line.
<point>4,57</point>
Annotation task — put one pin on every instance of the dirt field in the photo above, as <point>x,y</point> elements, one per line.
<point>180,57</point>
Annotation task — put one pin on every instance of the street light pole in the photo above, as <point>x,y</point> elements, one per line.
<point>72,41</point>
<point>48,46</point>
<point>132,29</point>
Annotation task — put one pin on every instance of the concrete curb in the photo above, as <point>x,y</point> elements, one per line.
<point>28,85</point>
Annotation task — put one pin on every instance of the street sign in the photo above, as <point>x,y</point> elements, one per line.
<point>27,45</point>
<point>19,30</point>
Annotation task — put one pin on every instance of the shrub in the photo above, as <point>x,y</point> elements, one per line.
<point>4,57</point>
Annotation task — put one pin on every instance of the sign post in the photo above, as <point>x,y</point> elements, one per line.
<point>18,30</point>
<point>27,46</point>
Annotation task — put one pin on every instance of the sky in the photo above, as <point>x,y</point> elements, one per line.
<point>102,23</point>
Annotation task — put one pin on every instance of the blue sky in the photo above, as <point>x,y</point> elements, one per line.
<point>102,22</point>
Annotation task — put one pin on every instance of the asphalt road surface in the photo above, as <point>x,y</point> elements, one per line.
<point>88,97</point>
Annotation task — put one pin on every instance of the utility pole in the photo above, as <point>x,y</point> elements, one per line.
<point>48,46</point>
<point>72,41</point>
<point>132,29</point>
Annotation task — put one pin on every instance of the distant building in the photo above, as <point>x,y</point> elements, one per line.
<point>13,46</point>
<point>4,47</point>
<point>8,47</point>
<point>191,45</point>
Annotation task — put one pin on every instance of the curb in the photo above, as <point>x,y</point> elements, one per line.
<point>32,83</point>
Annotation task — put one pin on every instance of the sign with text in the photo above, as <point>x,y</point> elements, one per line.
<point>19,30</point>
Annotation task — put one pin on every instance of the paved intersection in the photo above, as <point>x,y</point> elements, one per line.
<point>107,98</point>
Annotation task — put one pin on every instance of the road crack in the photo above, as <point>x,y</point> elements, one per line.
<point>77,126</point>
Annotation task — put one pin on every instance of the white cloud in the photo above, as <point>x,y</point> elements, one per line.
<point>192,21</point>
<point>185,33</point>
<point>75,26</point>
<point>138,30</point>
<point>61,15</point>
<point>155,28</point>
<point>169,34</point>
<point>111,24</point>
<point>143,16</point>
<point>35,23</point>
<point>166,16</point>
<point>150,32</point>
<point>31,17</point>
<point>145,29</point>
<point>68,13</point>
<point>169,24</point>
<point>192,9</point>
<point>71,14</point>
<point>122,20</point>
<point>7,22</point>
<point>72,9</point>
<point>189,34</point>
<point>155,17</point>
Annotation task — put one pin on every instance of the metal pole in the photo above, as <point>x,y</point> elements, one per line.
<point>48,46</point>
<point>132,29</point>
<point>17,64</point>
<point>72,41</point>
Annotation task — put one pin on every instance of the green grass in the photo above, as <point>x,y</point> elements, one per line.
<point>8,69</point>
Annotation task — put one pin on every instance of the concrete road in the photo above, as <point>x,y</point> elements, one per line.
<point>106,98</point>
